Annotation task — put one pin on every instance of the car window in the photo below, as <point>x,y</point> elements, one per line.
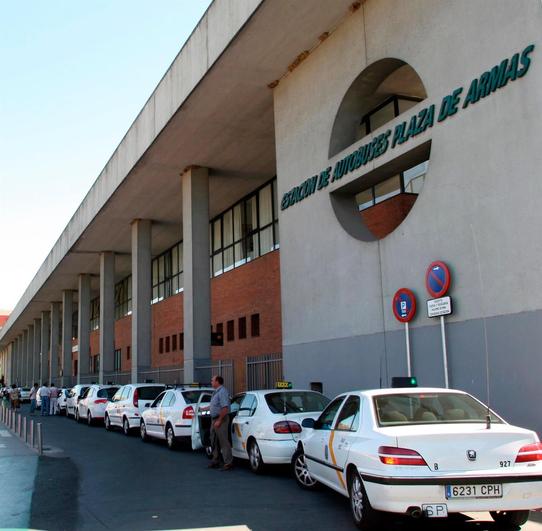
<point>158,399</point>
<point>325,420</point>
<point>236,403</point>
<point>348,419</point>
<point>295,401</point>
<point>430,408</point>
<point>83,391</point>
<point>191,397</point>
<point>88,393</point>
<point>117,395</point>
<point>248,405</point>
<point>108,392</point>
<point>125,393</point>
<point>149,393</point>
<point>168,399</point>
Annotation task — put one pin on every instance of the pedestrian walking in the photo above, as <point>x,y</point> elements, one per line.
<point>14,396</point>
<point>32,396</point>
<point>53,398</point>
<point>220,423</point>
<point>44,395</point>
<point>5,397</point>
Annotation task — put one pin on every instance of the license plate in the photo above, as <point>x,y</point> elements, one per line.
<point>492,490</point>
<point>435,510</point>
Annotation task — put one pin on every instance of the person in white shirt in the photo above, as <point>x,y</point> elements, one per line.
<point>44,395</point>
<point>53,398</point>
<point>33,393</point>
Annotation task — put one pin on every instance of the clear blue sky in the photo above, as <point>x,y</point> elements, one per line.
<point>73,76</point>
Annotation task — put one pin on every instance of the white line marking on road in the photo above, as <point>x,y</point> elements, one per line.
<point>2,446</point>
<point>5,433</point>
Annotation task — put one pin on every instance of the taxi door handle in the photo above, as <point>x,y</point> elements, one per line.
<point>247,422</point>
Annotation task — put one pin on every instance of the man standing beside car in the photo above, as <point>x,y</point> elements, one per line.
<point>44,395</point>
<point>32,396</point>
<point>53,398</point>
<point>219,409</point>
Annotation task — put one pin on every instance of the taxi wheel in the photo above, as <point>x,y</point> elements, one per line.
<point>143,432</point>
<point>365,517</point>
<point>89,419</point>
<point>76,416</point>
<point>107,422</point>
<point>301,472</point>
<point>126,427</point>
<point>170,437</point>
<point>209,452</point>
<point>255,457</point>
<point>510,518</point>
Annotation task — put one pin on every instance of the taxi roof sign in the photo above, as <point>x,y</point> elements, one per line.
<point>404,381</point>
<point>281,384</point>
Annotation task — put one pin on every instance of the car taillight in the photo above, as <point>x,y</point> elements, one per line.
<point>101,401</point>
<point>286,426</point>
<point>531,452</point>
<point>390,455</point>
<point>188,412</point>
<point>136,398</point>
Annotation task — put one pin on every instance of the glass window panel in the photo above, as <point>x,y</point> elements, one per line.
<point>228,258</point>
<point>277,235</point>
<point>252,247</point>
<point>160,291</point>
<point>217,237</point>
<point>382,116</point>
<point>129,287</point>
<point>228,228</point>
<point>405,105</point>
<point>240,255</point>
<point>251,215</point>
<point>266,206</point>
<point>175,284</point>
<point>161,269</point>
<point>387,188</point>
<point>181,280</point>
<point>181,251</point>
<point>154,293</point>
<point>415,177</point>
<point>154,272</point>
<point>237,222</point>
<point>365,199</point>
<point>217,264</point>
<point>174,260</point>
<point>266,240</point>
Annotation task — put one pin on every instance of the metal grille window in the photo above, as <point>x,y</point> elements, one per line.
<point>167,273</point>
<point>246,231</point>
<point>95,314</point>
<point>123,297</point>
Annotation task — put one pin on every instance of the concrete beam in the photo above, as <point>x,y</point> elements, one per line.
<point>141,296</point>
<point>107,313</point>
<point>83,327</point>
<point>37,350</point>
<point>54,342</point>
<point>44,347</point>
<point>66,342</point>
<point>197,283</point>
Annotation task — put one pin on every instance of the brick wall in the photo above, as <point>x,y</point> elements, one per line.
<point>251,289</point>
<point>385,217</point>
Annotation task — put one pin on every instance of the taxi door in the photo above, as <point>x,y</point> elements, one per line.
<point>199,412</point>
<point>242,423</point>
<point>151,418</point>
<point>317,445</point>
<point>342,437</point>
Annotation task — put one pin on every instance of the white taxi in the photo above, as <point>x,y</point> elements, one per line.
<point>266,425</point>
<point>421,452</point>
<point>91,407</point>
<point>171,414</point>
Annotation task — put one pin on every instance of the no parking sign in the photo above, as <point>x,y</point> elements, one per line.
<point>404,305</point>
<point>437,279</point>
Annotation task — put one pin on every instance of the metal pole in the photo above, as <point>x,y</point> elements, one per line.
<point>24,430</point>
<point>444,352</point>
<point>18,424</point>
<point>407,339</point>
<point>32,433</point>
<point>40,440</point>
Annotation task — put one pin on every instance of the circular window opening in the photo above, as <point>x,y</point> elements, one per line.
<point>372,206</point>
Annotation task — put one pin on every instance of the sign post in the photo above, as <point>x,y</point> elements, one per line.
<point>404,309</point>
<point>437,282</point>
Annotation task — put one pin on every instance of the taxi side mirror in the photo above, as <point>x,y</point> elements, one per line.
<point>308,423</point>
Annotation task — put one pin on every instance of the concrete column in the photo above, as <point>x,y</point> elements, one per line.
<point>107,313</point>
<point>24,358</point>
<point>141,296</point>
<point>54,342</point>
<point>37,350</point>
<point>67,327</point>
<point>30,356</point>
<point>83,327</point>
<point>44,348</point>
<point>196,269</point>
<point>14,361</point>
<point>17,360</point>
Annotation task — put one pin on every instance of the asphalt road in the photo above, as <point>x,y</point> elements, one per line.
<point>91,479</point>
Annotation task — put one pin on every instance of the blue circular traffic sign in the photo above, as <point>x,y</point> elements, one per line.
<point>404,305</point>
<point>437,279</point>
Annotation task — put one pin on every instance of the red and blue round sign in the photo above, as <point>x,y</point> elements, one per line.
<point>404,305</point>
<point>437,279</point>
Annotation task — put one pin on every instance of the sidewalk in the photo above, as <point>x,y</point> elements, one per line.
<point>18,467</point>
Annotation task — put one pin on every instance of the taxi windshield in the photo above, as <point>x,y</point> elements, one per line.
<point>429,408</point>
<point>296,401</point>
